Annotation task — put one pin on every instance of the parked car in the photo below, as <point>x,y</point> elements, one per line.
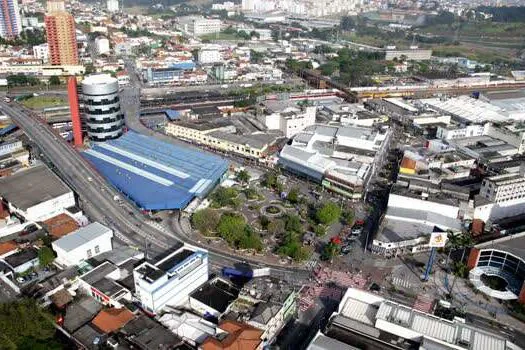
<point>20,279</point>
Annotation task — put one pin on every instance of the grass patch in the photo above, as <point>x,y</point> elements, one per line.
<point>39,102</point>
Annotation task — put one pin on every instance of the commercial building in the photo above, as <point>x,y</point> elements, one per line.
<point>288,116</point>
<point>61,34</point>
<point>368,320</point>
<point>505,258</point>
<point>83,244</point>
<point>102,46</point>
<point>102,113</point>
<point>501,196</point>
<point>192,328</point>
<point>213,298</point>
<point>104,284</point>
<point>171,280</point>
<point>220,135</point>
<point>466,110</point>
<point>36,194</point>
<point>341,158</point>
<point>41,70</point>
<point>410,55</point>
<point>10,20</point>
<point>154,174</point>
<point>411,218</point>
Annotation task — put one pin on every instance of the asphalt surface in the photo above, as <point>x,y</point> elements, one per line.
<point>96,195</point>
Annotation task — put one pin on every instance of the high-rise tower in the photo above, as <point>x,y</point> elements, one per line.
<point>102,113</point>
<point>61,34</point>
<point>10,21</point>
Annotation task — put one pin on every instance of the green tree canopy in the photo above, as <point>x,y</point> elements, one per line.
<point>206,220</point>
<point>243,176</point>
<point>293,195</point>
<point>223,196</point>
<point>328,213</point>
<point>330,250</point>
<point>231,228</point>
<point>45,256</point>
<point>292,247</point>
<point>54,80</point>
<point>23,322</point>
<point>276,227</point>
<point>293,224</point>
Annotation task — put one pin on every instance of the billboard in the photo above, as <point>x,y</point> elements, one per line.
<point>438,239</point>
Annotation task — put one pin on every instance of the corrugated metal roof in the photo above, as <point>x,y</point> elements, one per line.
<point>81,236</point>
<point>155,174</point>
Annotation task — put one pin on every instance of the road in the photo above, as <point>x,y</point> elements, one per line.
<point>96,198</point>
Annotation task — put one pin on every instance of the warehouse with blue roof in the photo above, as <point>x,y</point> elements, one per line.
<point>156,175</point>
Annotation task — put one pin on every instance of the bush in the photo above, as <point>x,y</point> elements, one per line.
<point>328,213</point>
<point>231,228</point>
<point>224,196</point>
<point>320,230</point>
<point>205,220</point>
<point>251,193</point>
<point>293,248</point>
<point>293,195</point>
<point>293,224</point>
<point>45,256</point>
<point>276,227</point>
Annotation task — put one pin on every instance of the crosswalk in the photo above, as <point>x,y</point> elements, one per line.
<point>311,264</point>
<point>401,282</point>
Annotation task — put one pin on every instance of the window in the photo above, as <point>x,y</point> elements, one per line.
<point>89,255</point>
<point>97,249</point>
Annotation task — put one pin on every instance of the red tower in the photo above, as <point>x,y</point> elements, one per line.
<point>74,109</point>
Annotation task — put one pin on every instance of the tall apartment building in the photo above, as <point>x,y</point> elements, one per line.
<point>10,21</point>
<point>171,280</point>
<point>61,35</point>
<point>112,5</point>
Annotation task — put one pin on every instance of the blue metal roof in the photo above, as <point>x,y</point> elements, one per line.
<point>6,130</point>
<point>187,65</point>
<point>154,174</point>
<point>172,114</point>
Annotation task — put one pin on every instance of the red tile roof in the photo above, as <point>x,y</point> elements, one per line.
<point>7,247</point>
<point>111,320</point>
<point>240,337</point>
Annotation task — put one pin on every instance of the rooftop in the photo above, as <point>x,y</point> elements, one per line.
<point>154,174</point>
<point>60,225</point>
<point>150,335</point>
<point>81,312</point>
<point>468,109</point>
<point>514,244</point>
<point>98,273</point>
<point>240,337</point>
<point>82,236</point>
<point>169,263</point>
<point>111,320</point>
<point>217,293</point>
<point>30,187</point>
<point>21,257</point>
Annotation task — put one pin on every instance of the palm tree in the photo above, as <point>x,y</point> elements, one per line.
<point>452,244</point>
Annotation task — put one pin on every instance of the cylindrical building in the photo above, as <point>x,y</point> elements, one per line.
<point>102,113</point>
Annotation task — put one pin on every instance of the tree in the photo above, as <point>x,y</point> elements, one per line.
<point>256,57</point>
<point>45,256</point>
<point>54,80</point>
<point>330,250</point>
<point>223,196</point>
<point>250,240</point>
<point>293,224</point>
<point>23,321</point>
<point>276,227</point>
<point>269,180</point>
<point>293,195</point>
<point>231,228</point>
<point>205,220</point>
<point>347,23</point>
<point>292,247</point>
<point>328,213</point>
<point>320,230</point>
<point>243,176</point>
<point>348,216</point>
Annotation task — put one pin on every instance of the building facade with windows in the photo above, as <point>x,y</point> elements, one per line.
<point>10,20</point>
<point>61,35</point>
<point>104,118</point>
<point>170,280</point>
<point>83,244</point>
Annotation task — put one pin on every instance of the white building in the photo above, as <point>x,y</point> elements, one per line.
<point>198,26</point>
<point>41,52</point>
<point>36,194</point>
<point>456,132</point>
<point>171,280</point>
<point>227,5</point>
<point>287,116</point>
<point>192,328</point>
<point>83,244</point>
<point>366,315</point>
<point>411,55</point>
<point>102,46</point>
<point>207,56</point>
<point>112,5</point>
<point>501,196</point>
